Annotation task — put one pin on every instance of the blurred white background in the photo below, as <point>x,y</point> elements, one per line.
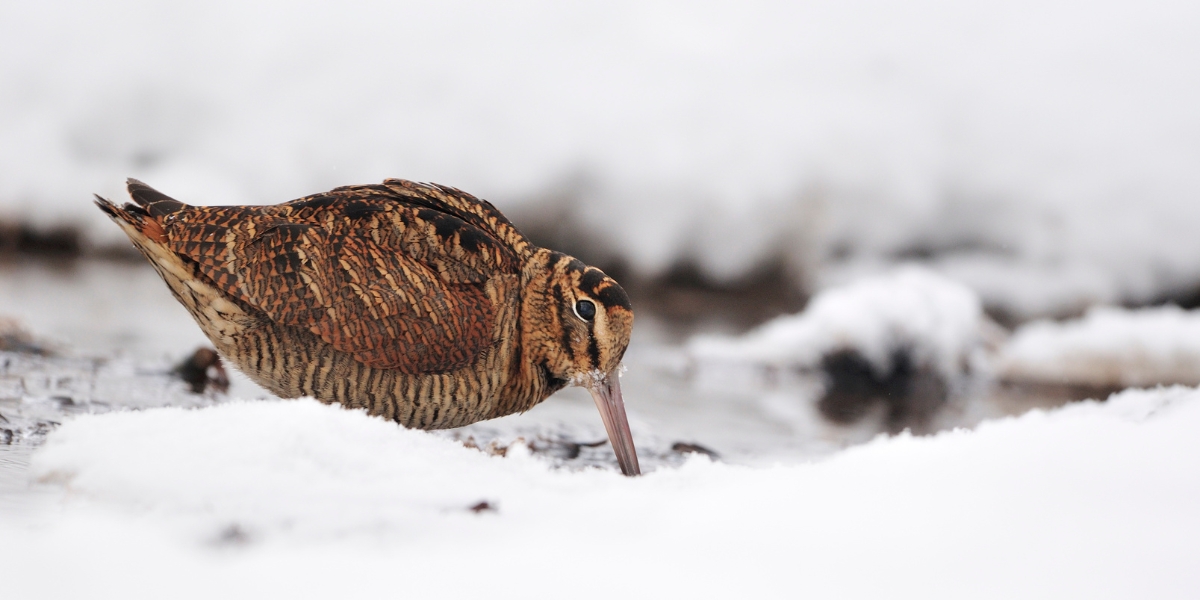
<point>1044,153</point>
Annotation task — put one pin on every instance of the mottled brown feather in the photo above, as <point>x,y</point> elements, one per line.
<point>395,275</point>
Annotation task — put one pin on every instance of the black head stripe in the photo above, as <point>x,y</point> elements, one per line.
<point>562,306</point>
<point>554,259</point>
<point>593,350</point>
<point>576,266</point>
<point>591,280</point>
<point>614,295</point>
<point>597,285</point>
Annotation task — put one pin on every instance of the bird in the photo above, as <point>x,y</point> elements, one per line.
<point>417,302</point>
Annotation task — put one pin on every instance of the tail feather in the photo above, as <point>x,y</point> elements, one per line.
<point>135,217</point>
<point>156,203</point>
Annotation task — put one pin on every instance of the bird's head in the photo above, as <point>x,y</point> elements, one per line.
<point>577,326</point>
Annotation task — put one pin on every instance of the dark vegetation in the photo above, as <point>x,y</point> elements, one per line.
<point>910,393</point>
<point>24,238</point>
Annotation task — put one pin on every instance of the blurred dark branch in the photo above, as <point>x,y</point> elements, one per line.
<point>63,240</point>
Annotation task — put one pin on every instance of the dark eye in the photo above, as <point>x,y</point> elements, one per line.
<point>585,309</point>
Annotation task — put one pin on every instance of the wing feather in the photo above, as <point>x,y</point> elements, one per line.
<point>398,279</point>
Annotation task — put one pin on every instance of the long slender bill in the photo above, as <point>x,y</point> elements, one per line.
<point>606,392</point>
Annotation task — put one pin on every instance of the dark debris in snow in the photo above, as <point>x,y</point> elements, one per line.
<point>482,506</point>
<point>692,448</point>
<point>565,447</point>
<point>202,370</point>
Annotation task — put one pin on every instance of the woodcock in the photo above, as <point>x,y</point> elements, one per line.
<point>419,303</point>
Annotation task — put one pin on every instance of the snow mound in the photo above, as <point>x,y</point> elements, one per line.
<point>911,309</point>
<point>1095,500</point>
<point>1108,348</point>
<point>303,466</point>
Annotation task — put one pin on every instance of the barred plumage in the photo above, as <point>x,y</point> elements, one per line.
<point>418,303</point>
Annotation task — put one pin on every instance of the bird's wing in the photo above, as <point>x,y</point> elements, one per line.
<point>471,210</point>
<point>396,283</point>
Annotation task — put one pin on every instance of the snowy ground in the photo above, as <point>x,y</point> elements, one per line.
<point>305,500</point>
<point>252,497</point>
<point>1041,152</point>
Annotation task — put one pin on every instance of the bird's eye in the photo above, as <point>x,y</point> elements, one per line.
<point>585,309</point>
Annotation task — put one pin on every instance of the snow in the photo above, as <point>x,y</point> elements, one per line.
<point>1108,348</point>
<point>302,499</point>
<point>1009,139</point>
<point>913,309</point>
